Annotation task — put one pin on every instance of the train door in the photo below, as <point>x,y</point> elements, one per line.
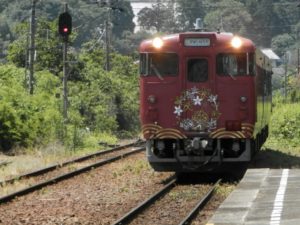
<point>199,100</point>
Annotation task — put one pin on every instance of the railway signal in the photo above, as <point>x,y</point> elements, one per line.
<point>65,29</point>
<point>65,24</point>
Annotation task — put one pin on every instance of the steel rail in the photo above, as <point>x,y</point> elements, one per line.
<point>135,211</point>
<point>187,220</point>
<point>60,165</point>
<point>66,176</point>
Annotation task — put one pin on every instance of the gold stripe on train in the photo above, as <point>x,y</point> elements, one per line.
<point>229,134</point>
<point>156,131</point>
<point>171,133</point>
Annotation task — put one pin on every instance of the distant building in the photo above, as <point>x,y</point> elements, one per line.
<point>272,55</point>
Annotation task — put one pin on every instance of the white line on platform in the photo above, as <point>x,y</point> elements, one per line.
<point>278,203</point>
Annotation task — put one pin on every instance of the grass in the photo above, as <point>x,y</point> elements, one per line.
<point>186,193</point>
<point>136,168</point>
<point>282,148</point>
<point>225,189</point>
<point>32,159</point>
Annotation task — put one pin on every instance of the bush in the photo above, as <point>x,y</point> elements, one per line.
<point>285,124</point>
<point>26,120</point>
<point>99,103</point>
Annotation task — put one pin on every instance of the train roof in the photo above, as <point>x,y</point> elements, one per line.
<point>217,39</point>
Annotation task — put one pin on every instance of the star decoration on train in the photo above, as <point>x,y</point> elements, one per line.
<point>178,110</point>
<point>212,124</point>
<point>194,90</point>
<point>213,99</point>
<point>197,101</point>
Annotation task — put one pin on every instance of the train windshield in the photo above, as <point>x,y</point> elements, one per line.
<point>158,64</point>
<point>235,64</point>
<point>197,70</point>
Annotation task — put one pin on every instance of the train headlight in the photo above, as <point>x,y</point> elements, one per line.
<point>157,42</point>
<point>236,42</point>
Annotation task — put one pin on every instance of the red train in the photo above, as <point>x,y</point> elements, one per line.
<point>205,100</point>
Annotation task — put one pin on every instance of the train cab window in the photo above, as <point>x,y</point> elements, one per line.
<point>235,64</point>
<point>197,70</point>
<point>158,64</point>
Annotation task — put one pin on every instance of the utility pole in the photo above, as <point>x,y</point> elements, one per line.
<point>285,77</point>
<point>298,63</point>
<point>26,59</point>
<point>107,37</point>
<point>298,50</point>
<point>32,47</point>
<point>110,7</point>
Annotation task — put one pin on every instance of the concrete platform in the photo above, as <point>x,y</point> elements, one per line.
<point>263,197</point>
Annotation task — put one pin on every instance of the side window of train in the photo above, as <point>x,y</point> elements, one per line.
<point>143,64</point>
<point>252,70</point>
<point>197,70</point>
<point>235,64</point>
<point>159,64</point>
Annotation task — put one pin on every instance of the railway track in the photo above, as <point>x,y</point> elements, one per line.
<point>131,216</point>
<point>38,179</point>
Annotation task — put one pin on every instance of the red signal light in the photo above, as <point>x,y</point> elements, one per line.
<point>65,24</point>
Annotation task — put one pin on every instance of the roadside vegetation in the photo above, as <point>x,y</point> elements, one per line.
<point>93,115</point>
<point>285,126</point>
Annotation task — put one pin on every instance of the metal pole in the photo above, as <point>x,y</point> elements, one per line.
<point>65,74</point>
<point>285,78</point>
<point>27,59</point>
<point>107,37</point>
<point>32,47</point>
<point>298,64</point>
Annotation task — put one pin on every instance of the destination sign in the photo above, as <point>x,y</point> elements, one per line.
<point>197,42</point>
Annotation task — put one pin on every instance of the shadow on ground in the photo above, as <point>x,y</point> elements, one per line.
<point>274,159</point>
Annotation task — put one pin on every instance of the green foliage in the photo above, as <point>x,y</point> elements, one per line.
<point>281,43</point>
<point>128,44</point>
<point>26,120</point>
<point>285,125</point>
<point>87,18</point>
<point>188,12</point>
<point>122,16</point>
<point>227,17</point>
<point>155,17</point>
<point>104,112</point>
<point>101,103</point>
<point>48,47</point>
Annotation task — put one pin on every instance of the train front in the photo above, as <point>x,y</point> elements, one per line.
<point>197,100</point>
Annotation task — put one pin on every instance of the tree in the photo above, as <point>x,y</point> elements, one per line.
<point>48,47</point>
<point>281,43</point>
<point>86,17</point>
<point>230,16</point>
<point>129,42</point>
<point>264,21</point>
<point>155,17</point>
<point>27,120</point>
<point>188,11</point>
<point>122,17</point>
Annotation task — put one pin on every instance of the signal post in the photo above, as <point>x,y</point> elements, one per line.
<point>65,29</point>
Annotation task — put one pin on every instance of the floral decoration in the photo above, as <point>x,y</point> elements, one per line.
<point>200,109</point>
